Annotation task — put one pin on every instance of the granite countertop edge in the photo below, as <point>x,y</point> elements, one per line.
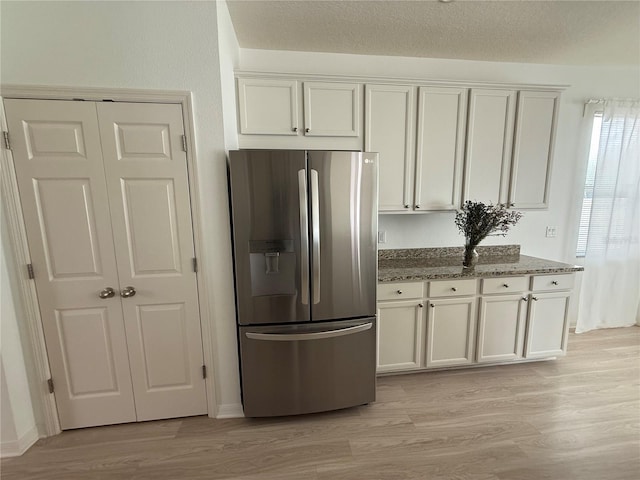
<point>416,269</point>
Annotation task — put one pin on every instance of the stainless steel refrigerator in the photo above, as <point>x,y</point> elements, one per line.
<point>304,229</point>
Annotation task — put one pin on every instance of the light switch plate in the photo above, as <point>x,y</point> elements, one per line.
<point>382,236</point>
<point>552,232</point>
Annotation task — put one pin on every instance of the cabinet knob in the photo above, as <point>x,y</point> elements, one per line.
<point>295,129</point>
<point>525,299</point>
<point>454,289</point>
<point>553,282</point>
<point>399,292</point>
<point>505,285</point>
<point>417,206</point>
<point>420,305</point>
<point>534,298</point>
<point>431,305</point>
<point>406,206</point>
<point>307,130</point>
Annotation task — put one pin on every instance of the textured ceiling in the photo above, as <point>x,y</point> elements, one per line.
<point>556,32</point>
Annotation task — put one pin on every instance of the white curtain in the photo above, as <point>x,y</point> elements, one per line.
<point>610,293</point>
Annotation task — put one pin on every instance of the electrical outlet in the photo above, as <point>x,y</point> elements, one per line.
<point>382,236</point>
<point>552,232</point>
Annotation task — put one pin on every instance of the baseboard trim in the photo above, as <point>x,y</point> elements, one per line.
<point>18,447</point>
<point>230,410</point>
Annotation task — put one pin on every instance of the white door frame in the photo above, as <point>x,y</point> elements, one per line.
<point>18,238</point>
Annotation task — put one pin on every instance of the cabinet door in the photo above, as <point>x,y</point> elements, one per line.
<point>439,156</point>
<point>332,109</point>
<point>390,131</point>
<point>400,335</point>
<point>533,149</point>
<point>490,135</point>
<point>501,328</point>
<point>451,328</point>
<point>548,325</point>
<point>268,106</point>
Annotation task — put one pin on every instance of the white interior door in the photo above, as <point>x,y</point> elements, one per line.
<point>104,190</point>
<point>151,216</point>
<point>59,165</point>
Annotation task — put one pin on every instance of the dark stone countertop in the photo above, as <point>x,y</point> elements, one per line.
<point>440,263</point>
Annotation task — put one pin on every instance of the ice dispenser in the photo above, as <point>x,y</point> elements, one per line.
<point>273,265</point>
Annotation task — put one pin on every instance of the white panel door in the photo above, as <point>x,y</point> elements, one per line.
<point>501,328</point>
<point>149,196</point>
<point>59,165</point>
<point>489,139</point>
<point>400,335</point>
<point>533,149</point>
<point>390,131</point>
<point>451,328</point>
<point>440,151</point>
<point>332,109</point>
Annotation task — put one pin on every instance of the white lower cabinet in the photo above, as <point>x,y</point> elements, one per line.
<point>547,325</point>
<point>400,334</point>
<point>452,323</point>
<point>451,327</point>
<point>501,326</point>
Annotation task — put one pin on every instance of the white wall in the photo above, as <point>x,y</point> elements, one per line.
<point>229,61</point>
<point>146,45</point>
<point>437,229</point>
<point>17,422</point>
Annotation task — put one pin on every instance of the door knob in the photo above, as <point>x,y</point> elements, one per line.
<point>108,292</point>
<point>128,292</point>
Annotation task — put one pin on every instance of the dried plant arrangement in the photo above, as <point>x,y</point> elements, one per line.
<point>477,220</point>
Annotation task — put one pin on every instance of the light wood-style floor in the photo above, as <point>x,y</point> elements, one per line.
<point>573,418</point>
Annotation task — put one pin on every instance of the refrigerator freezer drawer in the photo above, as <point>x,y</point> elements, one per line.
<point>296,369</point>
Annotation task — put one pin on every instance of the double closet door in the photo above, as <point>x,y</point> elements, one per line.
<point>105,196</point>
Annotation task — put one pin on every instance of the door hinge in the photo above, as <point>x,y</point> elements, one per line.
<point>30,271</point>
<point>204,371</point>
<point>184,143</point>
<point>7,143</point>
<point>50,385</point>
<point>195,264</point>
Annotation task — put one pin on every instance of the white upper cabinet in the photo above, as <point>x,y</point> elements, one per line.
<point>268,106</point>
<point>390,131</point>
<point>533,149</point>
<point>440,150</point>
<point>332,109</point>
<point>294,114</point>
<point>490,136</point>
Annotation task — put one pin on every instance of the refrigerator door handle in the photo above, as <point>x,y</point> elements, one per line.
<point>304,236</point>
<point>315,235</point>
<point>290,337</point>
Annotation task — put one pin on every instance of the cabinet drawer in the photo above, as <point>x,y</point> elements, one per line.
<point>400,291</point>
<point>452,288</point>
<point>504,285</point>
<point>553,282</point>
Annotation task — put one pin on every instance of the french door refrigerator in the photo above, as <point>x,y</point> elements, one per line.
<point>304,229</point>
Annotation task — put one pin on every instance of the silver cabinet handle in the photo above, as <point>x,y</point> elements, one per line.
<point>431,305</point>
<point>417,206</point>
<point>304,237</point>
<point>525,299</point>
<point>289,337</point>
<point>420,305</point>
<point>554,282</point>
<point>128,292</point>
<point>505,285</point>
<point>399,292</point>
<point>315,235</point>
<point>307,130</point>
<point>294,129</point>
<point>454,289</point>
<point>534,298</point>
<point>108,292</point>
<point>406,206</point>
